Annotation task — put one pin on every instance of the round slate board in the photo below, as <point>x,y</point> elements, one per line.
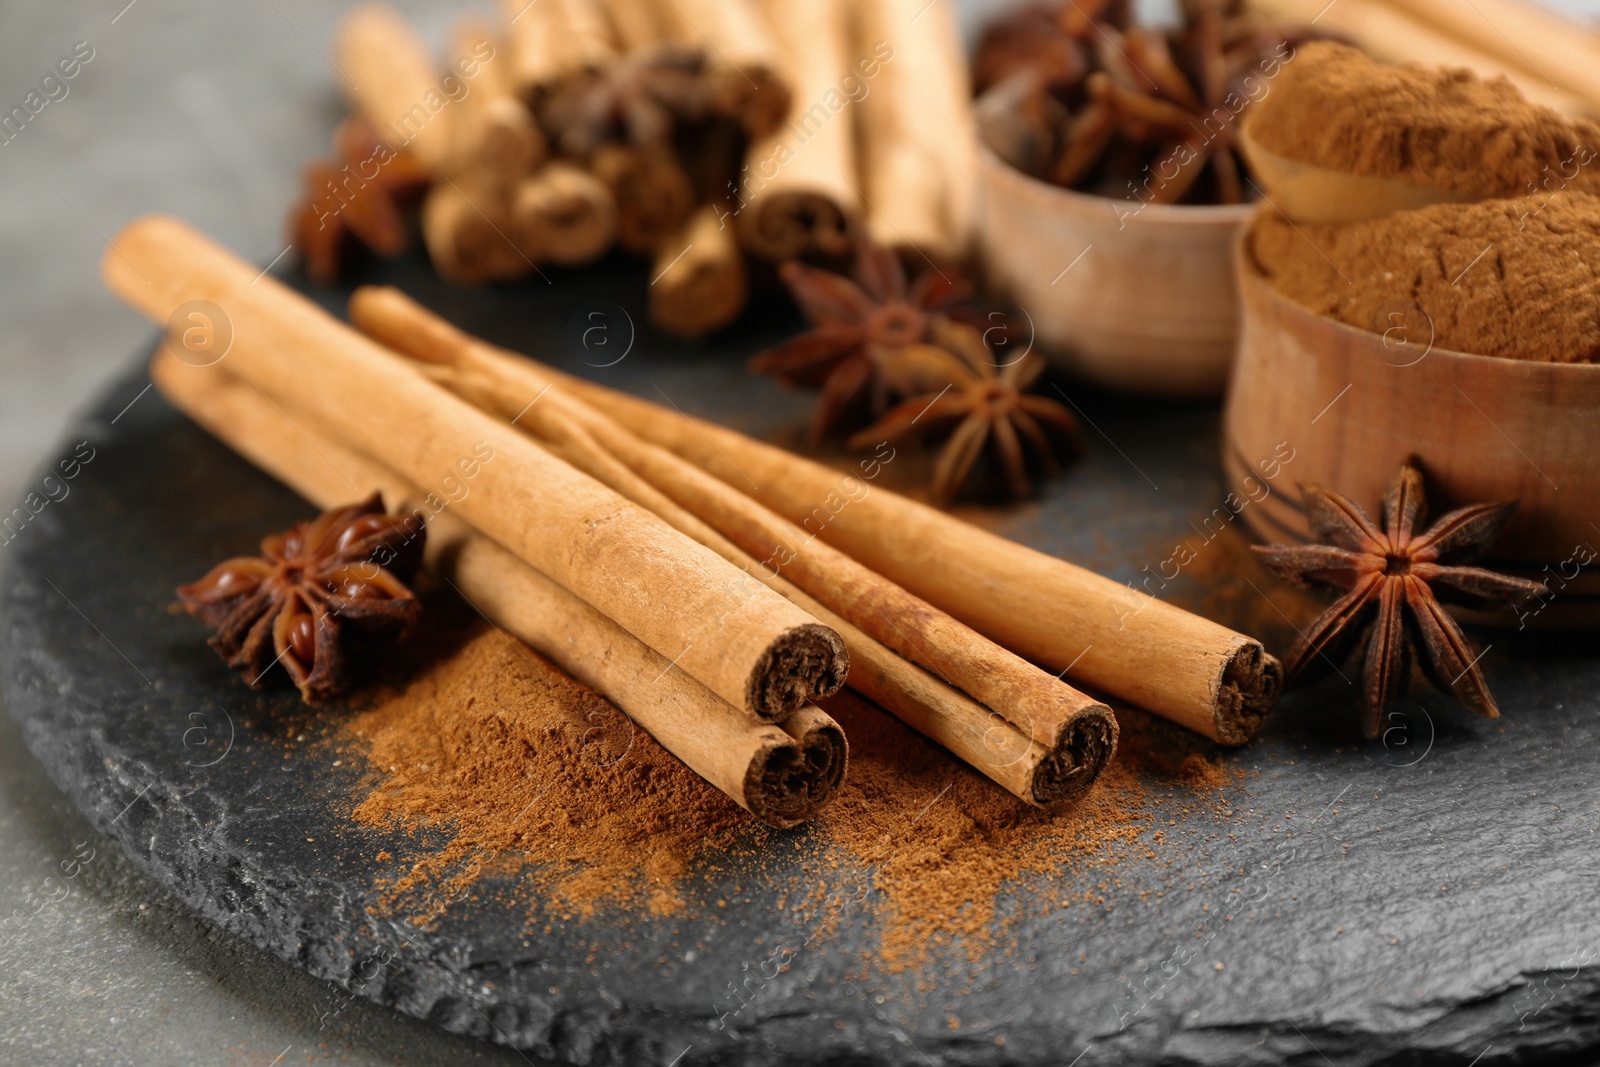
<point>1428,898</point>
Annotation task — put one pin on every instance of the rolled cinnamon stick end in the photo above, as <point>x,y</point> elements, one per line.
<point>391,78</point>
<point>799,191</point>
<point>699,283</point>
<point>783,775</point>
<point>792,222</point>
<point>563,214</point>
<point>468,237</point>
<point>1250,685</point>
<point>804,664</point>
<point>653,193</point>
<point>788,783</point>
<point>1071,766</point>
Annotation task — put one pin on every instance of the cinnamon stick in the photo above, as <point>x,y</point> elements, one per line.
<point>494,140</point>
<point>888,632</point>
<point>1104,634</point>
<point>653,193</point>
<point>781,774</point>
<point>554,40</point>
<point>563,214</point>
<point>748,645</point>
<point>745,65</point>
<point>391,78</point>
<point>469,235</point>
<point>639,24</point>
<point>798,192</point>
<point>698,283</point>
<point>917,140</point>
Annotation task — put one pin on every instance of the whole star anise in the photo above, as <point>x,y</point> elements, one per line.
<point>849,318</point>
<point>958,380</point>
<point>316,593</point>
<point>639,98</point>
<point>1397,580</point>
<point>1088,101</point>
<point>355,199</point>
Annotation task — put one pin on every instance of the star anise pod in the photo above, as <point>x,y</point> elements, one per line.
<point>1087,101</point>
<point>849,318</point>
<point>1030,38</point>
<point>317,595</point>
<point>638,98</point>
<point>1397,580</point>
<point>356,199</point>
<point>957,379</point>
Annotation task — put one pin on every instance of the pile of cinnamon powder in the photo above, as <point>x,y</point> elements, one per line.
<point>1333,107</point>
<point>511,766</point>
<point>1516,278</point>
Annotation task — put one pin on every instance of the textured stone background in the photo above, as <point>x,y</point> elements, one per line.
<point>207,110</point>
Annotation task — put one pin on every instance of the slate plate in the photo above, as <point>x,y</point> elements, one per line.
<point>1429,898</point>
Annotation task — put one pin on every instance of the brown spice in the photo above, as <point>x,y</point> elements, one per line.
<point>526,771</point>
<point>1333,107</point>
<point>496,746</point>
<point>1517,278</point>
<point>1393,577</point>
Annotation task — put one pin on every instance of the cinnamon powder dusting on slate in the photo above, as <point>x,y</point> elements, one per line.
<point>518,769</point>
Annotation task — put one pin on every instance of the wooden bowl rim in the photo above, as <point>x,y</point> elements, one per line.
<point>1218,215</point>
<point>1251,278</point>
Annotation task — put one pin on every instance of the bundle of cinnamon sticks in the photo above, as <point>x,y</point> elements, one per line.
<point>717,590</point>
<point>692,132</point>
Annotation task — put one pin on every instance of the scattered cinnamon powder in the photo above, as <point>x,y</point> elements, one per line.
<point>498,748</point>
<point>1334,107</point>
<point>1513,278</point>
<point>510,764</point>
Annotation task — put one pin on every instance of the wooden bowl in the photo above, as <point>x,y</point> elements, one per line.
<point>1137,298</point>
<point>1348,406</point>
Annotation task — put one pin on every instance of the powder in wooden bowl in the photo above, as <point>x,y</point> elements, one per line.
<point>1517,278</point>
<point>1333,107</point>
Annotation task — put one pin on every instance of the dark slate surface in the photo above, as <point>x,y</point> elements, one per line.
<point>1427,898</point>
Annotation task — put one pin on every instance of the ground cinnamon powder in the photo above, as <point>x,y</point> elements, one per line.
<point>1513,278</point>
<point>498,762</point>
<point>1333,107</point>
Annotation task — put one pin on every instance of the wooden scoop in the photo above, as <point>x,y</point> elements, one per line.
<point>1308,193</point>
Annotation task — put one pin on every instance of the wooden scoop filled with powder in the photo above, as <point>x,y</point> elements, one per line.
<point>1340,138</point>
